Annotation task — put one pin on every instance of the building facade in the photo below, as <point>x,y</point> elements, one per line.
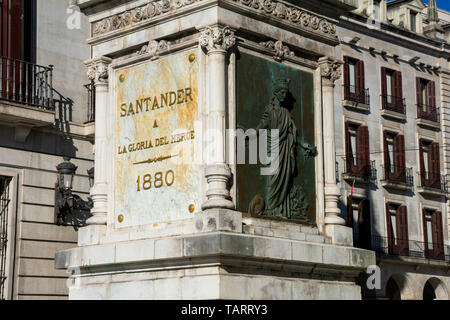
<point>392,143</point>
<point>43,118</point>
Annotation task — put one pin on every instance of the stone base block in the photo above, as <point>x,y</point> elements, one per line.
<point>217,265</point>
<point>340,235</point>
<point>91,235</point>
<point>218,220</point>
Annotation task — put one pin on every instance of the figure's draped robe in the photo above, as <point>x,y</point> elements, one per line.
<point>278,186</point>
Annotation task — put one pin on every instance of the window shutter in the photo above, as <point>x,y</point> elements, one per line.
<point>422,163</point>
<point>432,96</point>
<point>348,148</point>
<point>388,223</point>
<point>439,243</point>
<point>419,92</point>
<point>436,165</point>
<point>383,87</point>
<point>361,93</point>
<point>366,149</point>
<point>386,156</point>
<point>346,78</point>
<point>399,91</point>
<point>424,222</point>
<point>403,230</point>
<point>399,156</point>
<point>11,29</point>
<point>362,83</point>
<point>346,71</point>
<point>363,149</point>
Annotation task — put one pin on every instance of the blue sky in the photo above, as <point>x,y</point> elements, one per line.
<point>442,4</point>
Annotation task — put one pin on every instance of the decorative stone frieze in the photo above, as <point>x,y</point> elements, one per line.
<point>136,15</point>
<point>280,51</point>
<point>300,18</point>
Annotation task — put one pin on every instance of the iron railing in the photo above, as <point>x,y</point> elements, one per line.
<point>90,87</point>
<point>385,246</point>
<point>432,180</point>
<point>393,103</point>
<point>398,174</point>
<point>26,83</point>
<point>428,112</point>
<point>356,94</point>
<point>358,168</point>
<point>4,205</point>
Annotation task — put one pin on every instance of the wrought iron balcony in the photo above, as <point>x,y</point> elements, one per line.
<point>90,87</point>
<point>428,112</point>
<point>398,175</point>
<point>433,181</point>
<point>26,83</point>
<point>385,246</point>
<point>356,94</point>
<point>392,103</point>
<point>358,170</point>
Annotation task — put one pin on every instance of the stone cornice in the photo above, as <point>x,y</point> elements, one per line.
<point>133,16</point>
<point>296,17</point>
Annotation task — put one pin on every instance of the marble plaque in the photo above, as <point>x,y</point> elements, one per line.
<point>156,178</point>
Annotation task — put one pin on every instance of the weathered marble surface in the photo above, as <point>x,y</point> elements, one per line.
<point>156,178</point>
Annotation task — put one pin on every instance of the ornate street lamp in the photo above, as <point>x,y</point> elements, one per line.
<point>66,171</point>
<point>70,209</point>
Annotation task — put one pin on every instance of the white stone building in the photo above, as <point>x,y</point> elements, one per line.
<point>43,118</point>
<point>394,88</point>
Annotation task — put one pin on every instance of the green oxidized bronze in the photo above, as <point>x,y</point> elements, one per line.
<point>283,197</point>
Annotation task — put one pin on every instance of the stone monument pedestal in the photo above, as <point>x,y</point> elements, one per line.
<point>174,80</point>
<point>216,255</point>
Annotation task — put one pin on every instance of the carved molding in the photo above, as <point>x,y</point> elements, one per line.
<point>136,15</point>
<point>217,38</point>
<point>281,52</point>
<point>154,49</point>
<point>270,8</point>
<point>330,69</point>
<point>289,13</point>
<point>98,70</point>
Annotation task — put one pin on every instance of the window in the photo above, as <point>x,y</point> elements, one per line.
<point>397,229</point>
<point>17,29</point>
<point>357,149</point>
<point>354,83</point>
<point>433,234</point>
<point>426,99</point>
<point>4,205</point>
<point>430,167</point>
<point>394,157</point>
<point>359,220</point>
<point>392,90</point>
<point>413,18</point>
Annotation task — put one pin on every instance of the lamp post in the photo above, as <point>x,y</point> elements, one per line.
<point>70,209</point>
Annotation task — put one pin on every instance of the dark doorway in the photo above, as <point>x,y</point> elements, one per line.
<point>393,290</point>
<point>428,292</point>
